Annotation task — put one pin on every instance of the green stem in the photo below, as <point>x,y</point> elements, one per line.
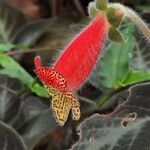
<point>105,98</point>
<point>24,51</point>
<point>87,100</point>
<point>135,18</point>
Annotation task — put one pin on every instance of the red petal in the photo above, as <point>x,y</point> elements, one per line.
<point>79,58</point>
<point>37,62</point>
<point>50,77</point>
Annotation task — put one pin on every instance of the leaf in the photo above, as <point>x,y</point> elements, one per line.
<point>14,70</point>
<point>9,101</point>
<point>114,64</point>
<point>10,21</point>
<point>35,121</point>
<point>136,76</point>
<point>6,47</point>
<point>39,90</point>
<point>141,57</point>
<point>126,128</point>
<point>30,33</point>
<point>9,138</point>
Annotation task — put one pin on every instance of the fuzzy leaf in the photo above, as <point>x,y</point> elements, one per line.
<point>9,138</point>
<point>11,21</point>
<point>9,101</point>
<point>30,33</point>
<point>126,128</point>
<point>35,121</point>
<point>14,70</point>
<point>141,57</point>
<point>114,65</point>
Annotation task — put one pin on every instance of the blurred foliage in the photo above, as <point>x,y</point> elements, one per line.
<point>34,27</point>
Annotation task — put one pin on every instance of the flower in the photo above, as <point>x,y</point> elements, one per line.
<point>72,68</point>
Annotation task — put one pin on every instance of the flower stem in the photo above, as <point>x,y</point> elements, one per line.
<point>105,98</point>
<point>24,51</point>
<point>138,21</point>
<point>135,18</point>
<point>87,100</point>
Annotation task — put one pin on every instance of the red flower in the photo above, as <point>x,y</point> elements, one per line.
<point>79,58</point>
<point>72,68</point>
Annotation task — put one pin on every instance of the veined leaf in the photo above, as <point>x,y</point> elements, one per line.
<point>31,32</point>
<point>14,70</point>
<point>9,101</point>
<point>141,55</point>
<point>35,121</point>
<point>127,128</point>
<point>114,65</point>
<point>9,138</point>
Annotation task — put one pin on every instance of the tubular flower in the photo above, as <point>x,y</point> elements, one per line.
<point>73,67</point>
<point>78,59</point>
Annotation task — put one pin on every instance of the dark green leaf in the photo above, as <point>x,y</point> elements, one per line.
<point>126,128</point>
<point>14,70</point>
<point>9,138</point>
<point>35,121</point>
<point>9,101</point>
<point>30,33</point>
<point>11,20</point>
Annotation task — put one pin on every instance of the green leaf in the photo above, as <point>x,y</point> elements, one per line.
<point>6,47</point>
<point>39,90</point>
<point>114,65</point>
<point>136,77</point>
<point>14,70</point>
<point>10,139</point>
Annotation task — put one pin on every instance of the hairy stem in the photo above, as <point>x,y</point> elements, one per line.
<point>135,18</point>
<point>138,21</point>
